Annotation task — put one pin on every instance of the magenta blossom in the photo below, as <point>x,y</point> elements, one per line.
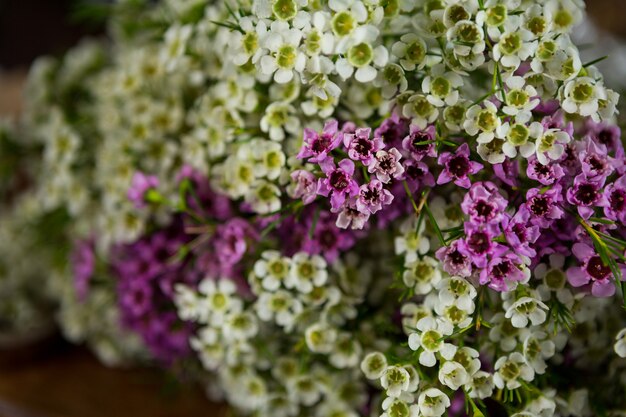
<point>544,174</point>
<point>139,186</point>
<point>483,203</point>
<point>615,194</point>
<point>595,160</point>
<point>457,167</point>
<point>350,216</point>
<point>502,272</point>
<point>338,182</point>
<point>417,174</point>
<point>543,207</point>
<point>454,261</point>
<point>420,143</point>
<point>317,146</point>
<point>83,261</point>
<point>387,165</point>
<point>478,244</point>
<point>520,233</point>
<point>327,240</point>
<point>372,197</point>
<point>586,194</point>
<point>592,271</point>
<point>304,186</point>
<point>361,147</point>
<point>508,172</point>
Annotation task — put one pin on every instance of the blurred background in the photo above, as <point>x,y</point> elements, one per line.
<point>54,379</point>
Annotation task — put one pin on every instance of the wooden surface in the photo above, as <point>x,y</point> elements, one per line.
<point>66,381</point>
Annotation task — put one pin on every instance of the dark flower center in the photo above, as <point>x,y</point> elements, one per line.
<point>605,137</point>
<point>414,172</point>
<point>542,170</point>
<point>484,209</point>
<point>371,195</point>
<point>540,206</point>
<point>459,166</point>
<point>327,239</point>
<point>596,163</point>
<point>363,147</point>
<point>586,194</point>
<point>596,268</point>
<point>418,145</point>
<point>502,269</point>
<point>339,180</point>
<point>617,200</point>
<point>386,163</point>
<point>479,242</point>
<point>457,258</point>
<point>321,144</point>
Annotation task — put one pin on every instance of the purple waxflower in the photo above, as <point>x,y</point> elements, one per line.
<point>231,240</point>
<point>483,203</point>
<point>543,207</point>
<point>350,216</point>
<point>457,167</point>
<point>327,240</point>
<point>454,261</point>
<point>592,271</point>
<point>140,184</point>
<point>502,272</point>
<point>361,147</point>
<point>420,143</point>
<point>520,233</point>
<point>317,146</point>
<point>586,194</point>
<point>608,135</point>
<point>392,130</point>
<point>372,197</point>
<point>387,165</point>
<point>615,194</point>
<point>338,182</point>
<point>557,121</point>
<point>544,174</point>
<point>205,199</point>
<point>83,262</point>
<point>304,186</point>
<point>595,160</point>
<point>417,174</point>
<point>508,172</point>
<point>478,244</point>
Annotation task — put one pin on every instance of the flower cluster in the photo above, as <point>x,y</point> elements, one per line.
<point>387,208</point>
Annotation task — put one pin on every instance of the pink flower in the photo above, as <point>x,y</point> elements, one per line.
<point>338,182</point>
<point>592,271</point>
<point>457,167</point>
<point>318,146</point>
<point>372,197</point>
<point>387,165</point>
<point>139,186</point>
<point>361,147</point>
<point>305,186</point>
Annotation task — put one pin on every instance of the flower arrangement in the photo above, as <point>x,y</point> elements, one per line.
<point>390,208</point>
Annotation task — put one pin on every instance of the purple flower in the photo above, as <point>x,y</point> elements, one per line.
<point>608,135</point>
<point>392,130</point>
<point>206,200</point>
<point>483,204</point>
<point>305,186</point>
<point>595,161</point>
<point>415,142</point>
<point>520,234</point>
<point>231,240</point>
<point>454,261</point>
<point>387,165</point>
<point>586,194</point>
<point>592,271</point>
<point>338,182</point>
<point>615,194</point>
<point>543,206</point>
<point>418,175</point>
<point>350,216</point>
<point>361,147</point>
<point>457,167</point>
<point>140,184</point>
<point>372,197</point>
<point>545,174</point>
<point>83,262</point>
<point>318,146</point>
<point>501,272</point>
<point>508,172</point>
<point>327,240</point>
<point>478,244</point>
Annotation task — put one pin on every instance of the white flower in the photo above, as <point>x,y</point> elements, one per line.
<point>320,338</point>
<point>483,120</point>
<point>429,338</point>
<point>176,39</point>
<point>263,197</point>
<point>481,385</point>
<point>220,299</point>
<point>364,57</point>
<point>410,51</point>
<point>551,144</point>
<point>441,86</point>
<point>346,353</point>
<point>453,375</point>
<point>467,38</point>
<point>187,303</point>
<point>279,118</point>
<point>306,272</point>
<point>412,242</point>
<point>272,269</point>
<point>536,349</point>
<point>395,380</point>
<point>420,111</point>
<point>305,389</point>
<point>521,99</point>
<point>565,14</point>
<point>280,306</point>
<point>240,326</point>
<point>510,369</point>
<point>285,57</point>
<point>399,407</point>
<point>432,402</point>
<point>271,160</point>
<point>421,274</point>
<point>620,343</point>
<point>513,47</point>
<point>582,96</point>
<point>504,333</point>
<point>411,314</point>
<point>458,292</point>
<point>246,46</point>
<point>373,365</point>
<point>525,309</point>
<point>518,135</point>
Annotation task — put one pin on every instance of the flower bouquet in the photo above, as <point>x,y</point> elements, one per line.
<point>393,208</point>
